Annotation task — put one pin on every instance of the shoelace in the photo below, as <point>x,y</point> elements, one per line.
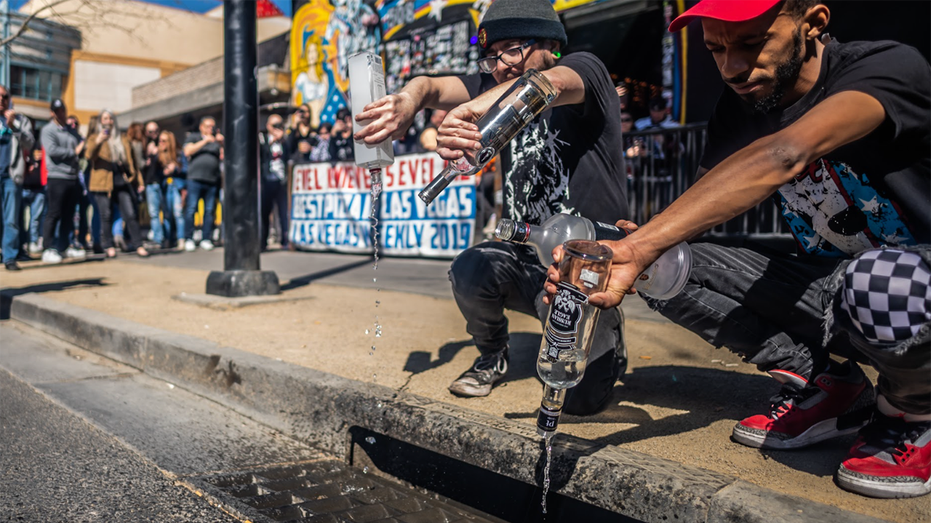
<point>790,394</point>
<point>486,362</point>
<point>891,434</point>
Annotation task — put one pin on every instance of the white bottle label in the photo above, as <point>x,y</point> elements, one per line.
<point>562,326</point>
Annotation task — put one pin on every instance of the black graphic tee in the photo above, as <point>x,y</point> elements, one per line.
<point>569,159</point>
<point>874,191</point>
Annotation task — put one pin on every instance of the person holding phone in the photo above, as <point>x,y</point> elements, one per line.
<point>114,180</point>
<point>273,157</point>
<point>205,151</point>
<point>15,145</point>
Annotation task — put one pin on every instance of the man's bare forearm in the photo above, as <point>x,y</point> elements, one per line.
<point>436,93</point>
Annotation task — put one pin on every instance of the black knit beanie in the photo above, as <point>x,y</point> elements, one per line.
<point>519,19</point>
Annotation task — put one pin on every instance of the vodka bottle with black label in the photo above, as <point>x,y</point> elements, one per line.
<point>567,336</point>
<point>665,278</point>
<point>517,107</point>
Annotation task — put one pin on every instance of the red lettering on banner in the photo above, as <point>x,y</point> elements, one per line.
<point>387,175</point>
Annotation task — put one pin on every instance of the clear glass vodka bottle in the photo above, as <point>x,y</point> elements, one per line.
<point>567,336</point>
<point>517,107</point>
<point>665,278</point>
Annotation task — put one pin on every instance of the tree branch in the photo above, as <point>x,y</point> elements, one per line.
<point>29,19</point>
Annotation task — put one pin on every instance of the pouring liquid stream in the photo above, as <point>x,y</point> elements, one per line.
<point>375,193</point>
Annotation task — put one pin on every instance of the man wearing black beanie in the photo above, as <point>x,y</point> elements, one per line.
<point>568,160</point>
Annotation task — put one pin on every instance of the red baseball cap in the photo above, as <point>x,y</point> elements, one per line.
<point>727,10</point>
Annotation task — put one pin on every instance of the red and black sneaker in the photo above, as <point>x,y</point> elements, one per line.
<point>891,459</point>
<point>835,403</point>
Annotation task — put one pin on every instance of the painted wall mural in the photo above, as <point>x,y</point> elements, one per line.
<point>416,37</point>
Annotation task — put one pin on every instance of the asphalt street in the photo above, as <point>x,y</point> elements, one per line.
<point>87,439</point>
<point>55,466</point>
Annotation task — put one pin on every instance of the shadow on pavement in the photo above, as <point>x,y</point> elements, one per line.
<point>697,396</point>
<point>700,397</point>
<point>521,355</point>
<point>37,264</point>
<point>301,281</point>
<point>820,460</point>
<point>7,295</point>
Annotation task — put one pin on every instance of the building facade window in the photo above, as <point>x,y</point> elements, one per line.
<point>34,84</point>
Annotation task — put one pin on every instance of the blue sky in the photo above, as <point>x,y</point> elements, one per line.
<point>197,6</point>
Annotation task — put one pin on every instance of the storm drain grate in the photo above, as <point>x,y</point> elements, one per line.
<point>327,492</point>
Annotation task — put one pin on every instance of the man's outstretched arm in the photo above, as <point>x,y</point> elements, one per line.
<point>738,183</point>
<point>394,113</point>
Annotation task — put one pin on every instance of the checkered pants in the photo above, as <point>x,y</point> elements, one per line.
<point>883,303</point>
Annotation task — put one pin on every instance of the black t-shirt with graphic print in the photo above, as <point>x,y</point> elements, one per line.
<point>874,191</point>
<point>569,159</point>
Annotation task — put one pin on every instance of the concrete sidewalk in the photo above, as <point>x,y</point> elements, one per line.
<point>669,421</point>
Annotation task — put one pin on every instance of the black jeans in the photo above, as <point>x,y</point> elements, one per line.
<point>127,202</point>
<point>767,307</point>
<point>493,276</point>
<point>62,197</point>
<point>274,192</point>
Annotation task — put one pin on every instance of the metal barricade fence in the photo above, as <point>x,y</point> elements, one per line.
<point>662,163</point>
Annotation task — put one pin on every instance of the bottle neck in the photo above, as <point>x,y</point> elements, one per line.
<point>550,409</point>
<point>514,231</point>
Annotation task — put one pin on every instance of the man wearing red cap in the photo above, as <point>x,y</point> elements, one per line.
<point>839,136</point>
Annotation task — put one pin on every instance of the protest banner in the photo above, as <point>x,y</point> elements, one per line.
<point>331,209</point>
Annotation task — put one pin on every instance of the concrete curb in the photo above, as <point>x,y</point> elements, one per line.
<point>320,408</point>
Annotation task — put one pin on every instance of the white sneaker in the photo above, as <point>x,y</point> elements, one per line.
<point>34,248</point>
<point>206,245</point>
<point>190,246</point>
<point>75,252</point>
<point>51,256</point>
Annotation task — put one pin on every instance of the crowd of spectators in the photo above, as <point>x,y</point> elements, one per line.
<point>145,189</point>
<point>66,193</point>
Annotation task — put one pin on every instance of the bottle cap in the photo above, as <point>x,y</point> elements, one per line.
<point>668,274</point>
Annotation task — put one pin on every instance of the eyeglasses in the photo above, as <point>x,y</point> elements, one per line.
<point>510,57</point>
<point>5,96</point>
<point>626,119</point>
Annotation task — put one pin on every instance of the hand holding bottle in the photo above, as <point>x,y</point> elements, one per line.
<point>626,267</point>
<point>458,133</point>
<point>388,117</point>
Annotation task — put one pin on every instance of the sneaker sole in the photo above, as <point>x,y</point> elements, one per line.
<point>470,391</point>
<point>879,487</point>
<point>817,433</point>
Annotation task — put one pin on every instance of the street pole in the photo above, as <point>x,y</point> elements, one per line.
<point>241,275</point>
<point>5,68</point>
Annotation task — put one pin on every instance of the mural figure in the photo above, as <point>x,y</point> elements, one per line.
<point>354,25</point>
